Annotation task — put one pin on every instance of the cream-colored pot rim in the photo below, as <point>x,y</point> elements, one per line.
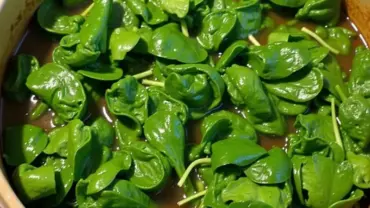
<point>15,15</point>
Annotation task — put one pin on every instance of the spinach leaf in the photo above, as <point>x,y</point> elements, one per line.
<point>245,88</point>
<point>302,86</point>
<point>160,101</point>
<point>222,125</point>
<point>15,78</point>
<point>150,11</point>
<point>320,178</point>
<point>86,46</point>
<point>128,129</point>
<point>337,37</point>
<point>166,133</point>
<point>275,124</point>
<point>289,3</point>
<point>351,201</point>
<point>285,33</point>
<point>278,60</point>
<point>289,108</point>
<point>199,86</point>
<point>315,134</point>
<point>216,26</point>
<point>332,76</point>
<point>57,86</point>
<point>58,142</point>
<point>104,132</point>
<point>63,180</point>
<point>33,183</point>
<point>360,74</point>
<point>245,190</point>
<point>107,172</point>
<point>80,149</point>
<point>361,166</point>
<point>52,17</point>
<point>72,3</point>
<point>22,144</point>
<point>273,169</point>
<point>121,42</point>
<point>101,71</point>
<point>353,115</point>
<point>128,98</point>
<point>239,152</point>
<point>249,18</point>
<point>238,48</point>
<point>120,193</point>
<point>326,12</point>
<point>178,7</point>
<point>167,41</point>
<point>150,169</point>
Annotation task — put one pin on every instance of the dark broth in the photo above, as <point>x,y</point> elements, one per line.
<point>41,44</point>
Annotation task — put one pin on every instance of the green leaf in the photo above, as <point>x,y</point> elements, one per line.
<point>57,86</point>
<point>58,142</point>
<point>215,27</point>
<point>90,42</point>
<point>278,60</point>
<point>121,42</point>
<point>289,108</point>
<point>320,178</point>
<point>326,12</point>
<point>33,183</point>
<point>160,101</point>
<point>151,169</point>
<point>284,33</point>
<point>167,41</point>
<point>359,80</point>
<point>150,11</point>
<point>127,130</point>
<point>199,86</point>
<point>53,18</point>
<point>289,3</point>
<point>354,114</point>
<point>80,149</point>
<point>244,190</point>
<point>107,172</point>
<point>337,37</point>
<point>15,78</point>
<point>351,201</point>
<point>22,144</point>
<point>361,169</point>
<point>273,169</point>
<point>128,98</point>
<point>235,152</point>
<point>301,87</point>
<point>124,194</point>
<point>222,125</point>
<point>228,57</point>
<point>101,71</point>
<point>104,131</point>
<point>178,7</point>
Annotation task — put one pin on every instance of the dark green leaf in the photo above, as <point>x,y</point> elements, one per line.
<point>326,12</point>
<point>121,42</point>
<point>359,81</point>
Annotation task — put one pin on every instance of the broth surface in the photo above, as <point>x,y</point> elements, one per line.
<point>41,44</point>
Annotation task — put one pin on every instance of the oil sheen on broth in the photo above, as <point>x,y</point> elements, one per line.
<point>40,44</point>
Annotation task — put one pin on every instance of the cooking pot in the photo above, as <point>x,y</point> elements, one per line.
<point>16,14</point>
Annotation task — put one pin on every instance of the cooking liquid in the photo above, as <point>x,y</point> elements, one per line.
<point>41,44</point>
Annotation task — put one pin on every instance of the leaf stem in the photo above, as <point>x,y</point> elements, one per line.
<point>152,83</point>
<point>143,74</point>
<point>190,168</point>
<point>191,198</point>
<point>320,40</point>
<point>39,110</point>
<point>340,92</point>
<point>87,10</point>
<point>253,40</point>
<point>335,124</point>
<point>184,28</point>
